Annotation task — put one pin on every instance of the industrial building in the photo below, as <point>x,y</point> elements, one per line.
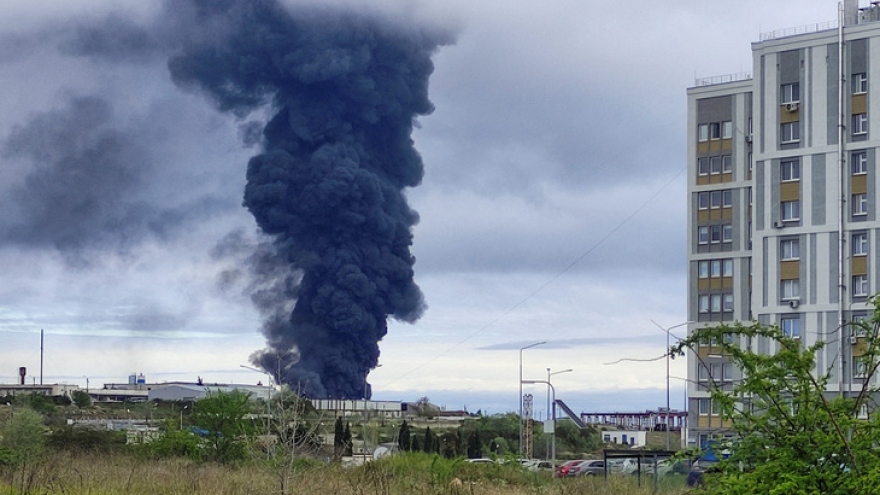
<point>782,199</point>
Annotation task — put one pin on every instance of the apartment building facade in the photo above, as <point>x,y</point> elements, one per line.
<point>771,187</point>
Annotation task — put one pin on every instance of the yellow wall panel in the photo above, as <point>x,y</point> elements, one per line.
<point>789,270</point>
<point>702,180</point>
<point>785,116</point>
<point>703,284</point>
<point>726,144</point>
<point>727,177</point>
<point>859,104</point>
<point>790,191</point>
<point>726,213</point>
<point>702,216</point>
<point>703,147</point>
<point>859,265</point>
<point>859,184</point>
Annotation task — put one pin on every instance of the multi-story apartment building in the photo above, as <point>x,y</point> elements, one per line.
<point>771,188</point>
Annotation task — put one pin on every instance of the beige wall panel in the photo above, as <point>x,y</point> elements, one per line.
<point>789,270</point>
<point>790,191</point>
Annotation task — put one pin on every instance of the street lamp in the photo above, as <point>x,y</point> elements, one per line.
<point>552,415</point>
<point>553,389</point>
<point>268,402</point>
<point>668,332</point>
<point>520,399</point>
<point>365,411</point>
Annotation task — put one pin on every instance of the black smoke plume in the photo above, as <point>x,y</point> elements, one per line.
<point>344,87</point>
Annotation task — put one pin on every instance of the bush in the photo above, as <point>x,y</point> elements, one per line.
<point>23,437</point>
<point>86,439</point>
<point>173,443</point>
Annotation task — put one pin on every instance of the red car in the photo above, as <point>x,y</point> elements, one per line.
<point>562,470</point>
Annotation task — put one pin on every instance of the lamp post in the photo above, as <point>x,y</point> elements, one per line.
<point>551,416</point>
<point>553,389</point>
<point>181,416</point>
<point>520,398</point>
<point>365,411</point>
<point>268,402</point>
<point>668,332</point>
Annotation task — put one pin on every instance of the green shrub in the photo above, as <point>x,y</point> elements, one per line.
<point>86,439</point>
<point>23,437</point>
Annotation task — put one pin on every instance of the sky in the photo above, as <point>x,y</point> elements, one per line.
<point>552,207</point>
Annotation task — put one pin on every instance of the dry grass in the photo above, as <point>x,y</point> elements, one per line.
<point>92,474</point>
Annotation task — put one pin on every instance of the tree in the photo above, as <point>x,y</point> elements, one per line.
<point>346,440</point>
<point>475,446</point>
<point>428,443</point>
<point>81,399</point>
<point>292,435</point>
<point>221,419</point>
<point>787,432</point>
<point>338,438</point>
<point>22,438</point>
<point>404,442</point>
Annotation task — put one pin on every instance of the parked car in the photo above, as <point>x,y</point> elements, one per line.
<point>563,469</point>
<point>481,460</point>
<point>669,467</point>
<point>622,466</point>
<point>588,468</point>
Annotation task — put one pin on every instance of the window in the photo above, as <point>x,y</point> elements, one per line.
<point>859,162</point>
<point>703,235</point>
<point>716,405</point>
<point>714,234</point>
<point>859,204</point>
<point>703,166</point>
<point>715,201</point>
<point>716,269</point>
<point>704,405</point>
<point>860,123</point>
<point>726,198</point>
<point>859,368</point>
<point>727,233</point>
<point>791,170</point>
<point>790,289</point>
<point>727,270</point>
<point>703,200</point>
<point>714,130</point>
<point>791,93</point>
<point>703,269</point>
<point>726,164</point>
<point>704,303</point>
<point>726,129</point>
<point>790,249</point>
<point>727,372</point>
<point>860,244</point>
<point>791,327</point>
<point>791,211</point>
<point>859,83</point>
<point>727,303</point>
<point>715,300</point>
<point>860,286</point>
<point>703,132</point>
<point>791,132</point>
<point>715,165</point>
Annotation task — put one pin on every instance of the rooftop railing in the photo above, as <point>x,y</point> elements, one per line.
<point>723,79</point>
<point>795,31</point>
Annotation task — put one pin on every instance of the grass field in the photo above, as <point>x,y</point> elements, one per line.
<point>104,474</point>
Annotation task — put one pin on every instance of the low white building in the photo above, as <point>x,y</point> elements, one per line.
<point>632,438</point>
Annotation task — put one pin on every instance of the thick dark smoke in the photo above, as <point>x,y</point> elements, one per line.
<point>345,88</point>
<point>82,185</point>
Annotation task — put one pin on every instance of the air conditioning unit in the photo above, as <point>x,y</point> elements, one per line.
<point>748,138</point>
<point>791,107</point>
<point>794,303</point>
<point>778,224</point>
<point>853,340</point>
